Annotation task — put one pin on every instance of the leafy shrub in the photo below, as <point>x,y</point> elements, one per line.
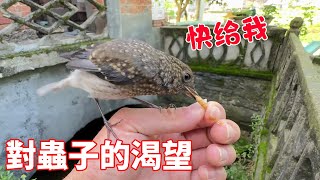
<point>269,11</point>
<point>8,175</point>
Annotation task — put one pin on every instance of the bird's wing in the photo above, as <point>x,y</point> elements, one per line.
<point>79,59</point>
<point>82,64</point>
<point>107,72</point>
<point>122,62</point>
<point>126,62</point>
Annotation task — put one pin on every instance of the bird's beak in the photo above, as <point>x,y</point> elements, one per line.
<point>191,92</point>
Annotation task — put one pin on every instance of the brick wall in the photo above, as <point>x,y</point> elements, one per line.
<point>134,6</point>
<point>138,6</point>
<point>126,7</point>
<point>18,9</point>
<point>158,23</point>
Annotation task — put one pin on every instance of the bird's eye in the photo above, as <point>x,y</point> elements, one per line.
<point>187,77</point>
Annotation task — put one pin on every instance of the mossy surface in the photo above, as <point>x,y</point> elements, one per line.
<point>261,166</point>
<point>264,131</point>
<point>59,48</point>
<point>231,70</point>
<point>262,150</point>
<point>271,100</point>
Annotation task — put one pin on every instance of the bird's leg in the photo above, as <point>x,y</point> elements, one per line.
<point>148,103</point>
<point>106,123</point>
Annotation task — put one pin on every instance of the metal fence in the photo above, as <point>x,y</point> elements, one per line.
<point>48,16</point>
<point>34,32</point>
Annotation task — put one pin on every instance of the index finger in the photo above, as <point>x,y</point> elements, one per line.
<point>150,121</point>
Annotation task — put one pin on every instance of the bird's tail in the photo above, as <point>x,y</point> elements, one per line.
<point>52,87</point>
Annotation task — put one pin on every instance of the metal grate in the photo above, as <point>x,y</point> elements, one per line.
<point>46,9</point>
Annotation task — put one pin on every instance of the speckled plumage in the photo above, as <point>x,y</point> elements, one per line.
<point>121,69</point>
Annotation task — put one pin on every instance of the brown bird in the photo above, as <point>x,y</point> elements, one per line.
<point>120,69</point>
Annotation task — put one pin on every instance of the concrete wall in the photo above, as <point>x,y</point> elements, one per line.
<point>231,92</point>
<point>292,148</point>
<point>24,115</point>
<point>133,20</point>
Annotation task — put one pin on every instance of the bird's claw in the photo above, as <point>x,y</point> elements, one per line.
<point>173,106</point>
<point>160,108</point>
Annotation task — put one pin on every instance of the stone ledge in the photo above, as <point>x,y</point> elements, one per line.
<point>309,75</point>
<point>11,64</point>
<point>20,64</point>
<point>34,44</point>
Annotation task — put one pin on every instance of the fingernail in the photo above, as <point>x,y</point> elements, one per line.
<point>211,175</point>
<point>194,106</point>
<point>214,113</point>
<point>229,132</point>
<point>206,173</point>
<point>223,154</point>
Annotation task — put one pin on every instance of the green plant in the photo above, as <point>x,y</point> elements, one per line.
<point>241,168</point>
<point>8,175</point>
<point>169,6</point>
<point>257,124</point>
<point>308,13</point>
<point>303,30</point>
<point>242,12</point>
<point>244,149</point>
<point>237,171</point>
<point>269,11</point>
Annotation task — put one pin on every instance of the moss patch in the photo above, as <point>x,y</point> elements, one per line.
<point>272,97</point>
<point>261,166</point>
<point>60,49</point>
<point>264,131</point>
<point>263,146</point>
<point>231,70</point>
<point>262,150</point>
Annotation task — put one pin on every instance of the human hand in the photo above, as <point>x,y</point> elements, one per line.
<point>211,149</point>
